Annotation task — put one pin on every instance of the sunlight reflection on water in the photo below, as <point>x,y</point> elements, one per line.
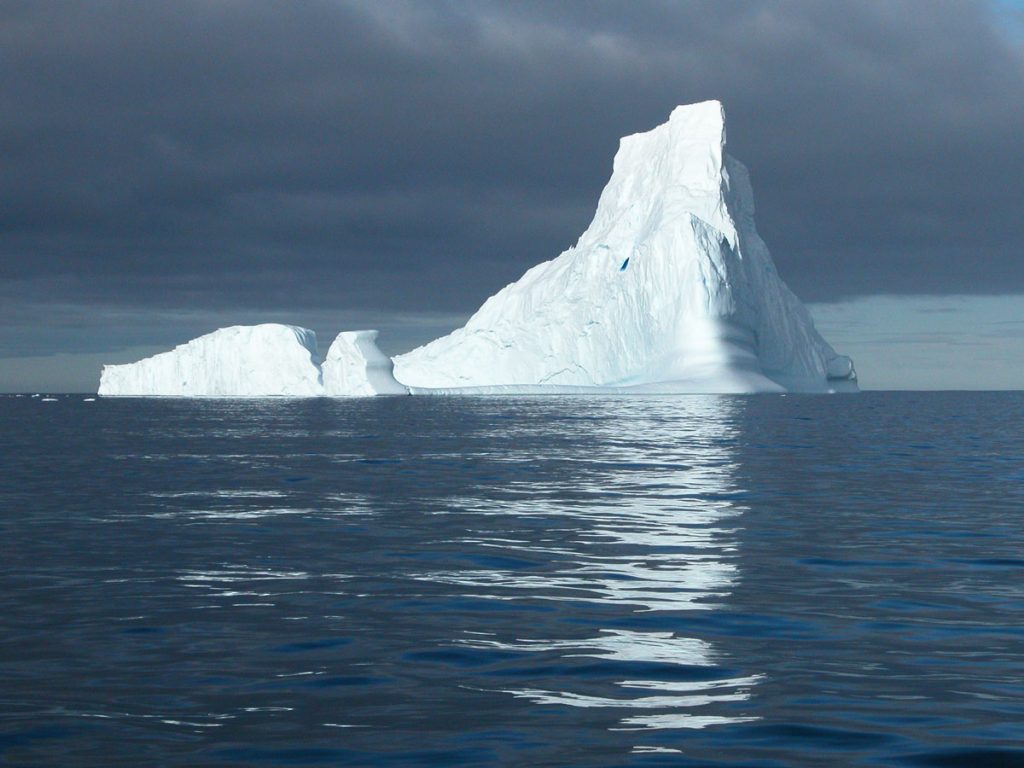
<point>651,531</point>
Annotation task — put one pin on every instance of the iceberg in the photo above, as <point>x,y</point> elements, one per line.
<point>241,361</point>
<point>267,360</point>
<point>670,289</point>
<point>355,367</point>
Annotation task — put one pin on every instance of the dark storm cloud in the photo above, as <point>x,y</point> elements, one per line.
<point>415,156</point>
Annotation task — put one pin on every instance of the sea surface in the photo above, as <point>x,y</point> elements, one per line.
<point>551,581</point>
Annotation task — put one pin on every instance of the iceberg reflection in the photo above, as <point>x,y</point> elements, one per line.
<point>644,534</point>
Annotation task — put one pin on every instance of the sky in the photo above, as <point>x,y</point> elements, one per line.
<point>173,167</point>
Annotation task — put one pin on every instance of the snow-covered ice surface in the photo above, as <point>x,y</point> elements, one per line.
<point>241,361</point>
<point>670,289</point>
<point>355,367</point>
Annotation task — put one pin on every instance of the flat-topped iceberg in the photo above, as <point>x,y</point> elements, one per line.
<point>267,360</point>
<point>241,361</point>
<point>669,289</point>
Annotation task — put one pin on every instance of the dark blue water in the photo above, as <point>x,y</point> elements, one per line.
<point>769,581</point>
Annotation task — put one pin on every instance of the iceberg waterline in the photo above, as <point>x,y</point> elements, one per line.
<point>670,289</point>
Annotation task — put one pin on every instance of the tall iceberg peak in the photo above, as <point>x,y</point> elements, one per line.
<point>669,289</point>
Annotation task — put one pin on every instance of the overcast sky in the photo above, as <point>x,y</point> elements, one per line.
<point>170,167</point>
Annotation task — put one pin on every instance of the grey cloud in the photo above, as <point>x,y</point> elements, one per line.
<point>415,156</point>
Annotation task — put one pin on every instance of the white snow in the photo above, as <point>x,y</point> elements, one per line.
<point>240,361</point>
<point>355,367</point>
<point>670,289</point>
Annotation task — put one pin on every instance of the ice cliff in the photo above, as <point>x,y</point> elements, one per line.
<point>669,289</point>
<point>240,361</point>
<point>267,360</point>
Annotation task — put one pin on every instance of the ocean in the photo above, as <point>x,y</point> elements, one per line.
<point>554,581</point>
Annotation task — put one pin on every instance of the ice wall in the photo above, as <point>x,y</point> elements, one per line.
<point>241,361</point>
